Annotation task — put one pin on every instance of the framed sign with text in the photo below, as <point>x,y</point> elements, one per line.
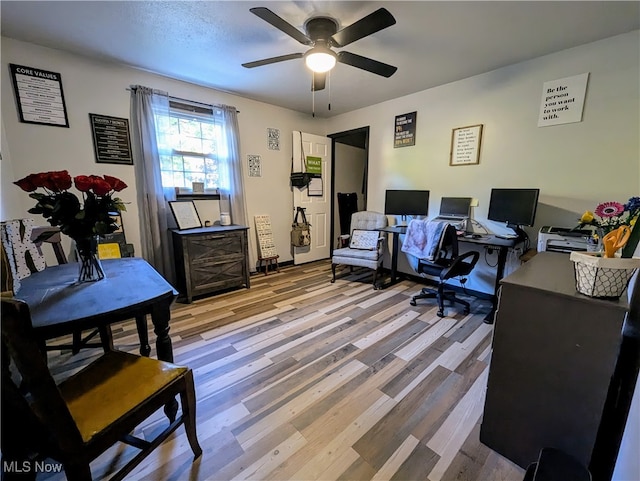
<point>405,130</point>
<point>465,145</point>
<point>185,214</point>
<point>39,96</point>
<point>111,140</point>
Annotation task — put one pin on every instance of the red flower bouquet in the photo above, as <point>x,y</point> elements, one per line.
<point>63,208</point>
<point>83,222</point>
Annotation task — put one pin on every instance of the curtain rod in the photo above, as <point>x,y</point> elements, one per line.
<point>187,100</point>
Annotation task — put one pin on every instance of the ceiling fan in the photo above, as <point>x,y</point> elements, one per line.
<point>322,34</point>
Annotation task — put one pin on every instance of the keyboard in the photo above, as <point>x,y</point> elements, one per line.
<point>451,218</point>
<point>506,236</point>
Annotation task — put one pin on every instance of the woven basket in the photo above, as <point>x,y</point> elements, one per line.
<point>602,277</point>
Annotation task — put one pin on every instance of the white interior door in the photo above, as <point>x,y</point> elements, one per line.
<point>317,207</point>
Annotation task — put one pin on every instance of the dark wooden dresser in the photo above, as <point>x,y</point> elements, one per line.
<point>210,259</point>
<point>563,368</point>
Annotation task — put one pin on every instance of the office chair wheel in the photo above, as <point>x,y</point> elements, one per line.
<point>413,302</point>
<point>440,313</point>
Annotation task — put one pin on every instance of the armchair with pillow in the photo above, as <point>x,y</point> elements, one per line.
<point>366,244</point>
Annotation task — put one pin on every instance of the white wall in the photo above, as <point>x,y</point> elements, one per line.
<point>576,165</point>
<point>9,194</point>
<point>99,87</point>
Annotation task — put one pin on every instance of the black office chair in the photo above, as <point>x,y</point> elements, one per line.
<point>446,265</point>
<point>555,465</point>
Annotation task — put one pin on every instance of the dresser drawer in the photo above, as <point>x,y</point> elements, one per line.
<point>217,275</point>
<point>203,249</point>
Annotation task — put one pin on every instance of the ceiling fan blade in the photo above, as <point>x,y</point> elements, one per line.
<point>267,61</point>
<point>319,81</point>
<point>367,64</point>
<point>372,23</point>
<point>270,17</point>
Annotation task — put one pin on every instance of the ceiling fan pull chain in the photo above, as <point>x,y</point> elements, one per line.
<point>313,95</point>
<point>329,80</point>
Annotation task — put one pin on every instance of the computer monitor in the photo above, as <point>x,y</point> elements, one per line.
<point>515,207</point>
<point>406,202</point>
<point>455,207</point>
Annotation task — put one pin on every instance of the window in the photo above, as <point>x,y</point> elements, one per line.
<point>189,143</point>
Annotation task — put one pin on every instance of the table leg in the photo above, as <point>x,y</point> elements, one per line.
<point>502,262</point>
<point>394,257</point>
<point>394,261</point>
<point>143,334</point>
<point>160,315</point>
<point>106,338</point>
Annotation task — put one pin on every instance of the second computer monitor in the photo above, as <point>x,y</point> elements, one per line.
<point>406,202</point>
<point>458,207</point>
<point>516,207</point>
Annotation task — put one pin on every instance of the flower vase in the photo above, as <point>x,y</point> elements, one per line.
<point>595,244</point>
<point>90,266</point>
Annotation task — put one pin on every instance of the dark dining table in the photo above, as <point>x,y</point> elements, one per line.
<point>131,289</point>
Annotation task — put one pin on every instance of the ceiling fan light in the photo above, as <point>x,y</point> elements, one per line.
<point>320,60</point>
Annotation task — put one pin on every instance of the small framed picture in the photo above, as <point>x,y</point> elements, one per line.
<point>185,214</point>
<point>197,187</point>
<point>465,145</point>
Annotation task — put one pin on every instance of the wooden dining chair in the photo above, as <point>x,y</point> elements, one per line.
<point>80,418</point>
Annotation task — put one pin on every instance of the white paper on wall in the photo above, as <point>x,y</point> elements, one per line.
<point>563,100</point>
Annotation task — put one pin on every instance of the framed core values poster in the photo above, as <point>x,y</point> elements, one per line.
<point>39,96</point>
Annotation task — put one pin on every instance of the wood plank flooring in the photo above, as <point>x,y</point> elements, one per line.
<point>301,379</point>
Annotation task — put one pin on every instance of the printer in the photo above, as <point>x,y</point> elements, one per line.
<point>562,239</point>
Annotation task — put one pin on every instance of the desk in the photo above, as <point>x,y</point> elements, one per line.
<point>563,368</point>
<point>131,289</point>
<point>396,231</point>
<point>501,245</point>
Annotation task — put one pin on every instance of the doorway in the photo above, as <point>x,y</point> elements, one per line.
<point>349,172</point>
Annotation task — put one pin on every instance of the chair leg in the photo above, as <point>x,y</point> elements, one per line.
<point>440,298</point>
<point>375,278</point>
<point>188,401</point>
<point>77,342</point>
<point>77,471</point>
<point>143,335</point>
<point>333,271</point>
<point>425,293</point>
<point>451,296</point>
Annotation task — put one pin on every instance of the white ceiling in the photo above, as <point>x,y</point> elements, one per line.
<point>205,43</point>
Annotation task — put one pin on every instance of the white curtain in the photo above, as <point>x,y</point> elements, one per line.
<point>155,237</point>
<point>232,193</point>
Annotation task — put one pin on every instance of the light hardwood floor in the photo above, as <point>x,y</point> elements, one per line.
<point>301,379</point>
